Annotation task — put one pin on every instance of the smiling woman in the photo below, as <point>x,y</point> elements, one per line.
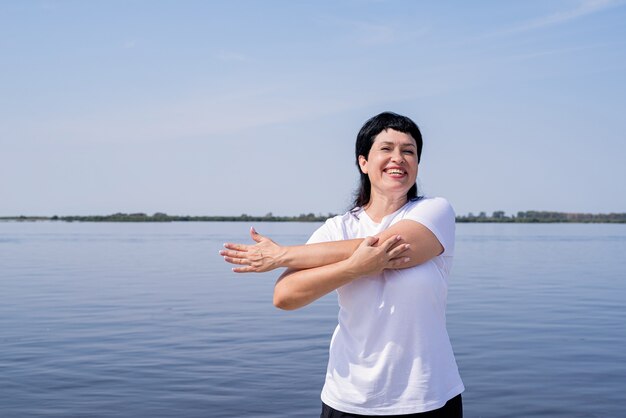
<point>388,259</point>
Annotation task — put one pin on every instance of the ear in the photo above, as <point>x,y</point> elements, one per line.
<point>363,164</point>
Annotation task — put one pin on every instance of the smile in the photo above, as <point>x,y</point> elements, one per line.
<point>395,171</point>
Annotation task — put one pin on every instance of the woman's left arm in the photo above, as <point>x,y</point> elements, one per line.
<point>423,244</point>
<point>267,255</point>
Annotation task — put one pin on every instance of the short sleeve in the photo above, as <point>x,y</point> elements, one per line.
<point>325,233</point>
<point>437,215</point>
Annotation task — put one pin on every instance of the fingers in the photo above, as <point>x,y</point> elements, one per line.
<point>234,254</point>
<point>396,251</point>
<point>255,235</point>
<point>247,269</point>
<point>240,254</point>
<point>234,260</point>
<point>236,247</point>
<point>389,242</point>
<point>370,241</point>
<point>397,263</point>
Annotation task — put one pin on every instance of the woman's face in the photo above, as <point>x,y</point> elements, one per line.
<point>391,164</point>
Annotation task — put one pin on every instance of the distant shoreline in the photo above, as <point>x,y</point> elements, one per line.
<point>482,217</point>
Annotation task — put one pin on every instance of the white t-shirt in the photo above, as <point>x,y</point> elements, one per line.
<point>390,353</point>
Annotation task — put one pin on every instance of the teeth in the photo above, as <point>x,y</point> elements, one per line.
<point>394,171</point>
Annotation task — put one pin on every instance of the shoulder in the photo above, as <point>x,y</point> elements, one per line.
<point>433,206</point>
<point>341,221</point>
<point>333,228</point>
<point>436,214</point>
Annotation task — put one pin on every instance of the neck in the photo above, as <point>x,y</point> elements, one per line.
<point>380,206</point>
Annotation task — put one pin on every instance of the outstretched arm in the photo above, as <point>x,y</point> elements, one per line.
<point>267,255</point>
<point>418,242</point>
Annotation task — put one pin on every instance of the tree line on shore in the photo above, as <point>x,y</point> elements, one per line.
<point>482,217</point>
<point>533,216</point>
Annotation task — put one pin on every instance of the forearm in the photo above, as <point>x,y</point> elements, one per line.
<point>297,288</point>
<point>317,255</point>
<point>321,254</point>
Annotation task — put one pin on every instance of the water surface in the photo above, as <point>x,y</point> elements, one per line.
<point>109,320</point>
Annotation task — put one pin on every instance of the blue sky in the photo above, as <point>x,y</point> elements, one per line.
<point>209,108</point>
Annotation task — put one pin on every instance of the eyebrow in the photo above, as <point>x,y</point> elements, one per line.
<point>393,143</point>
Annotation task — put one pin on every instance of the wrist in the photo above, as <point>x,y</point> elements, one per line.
<point>351,269</point>
<point>284,258</point>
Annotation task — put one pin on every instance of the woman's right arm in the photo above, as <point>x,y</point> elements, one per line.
<point>297,288</point>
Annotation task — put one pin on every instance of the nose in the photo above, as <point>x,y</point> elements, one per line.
<point>397,156</point>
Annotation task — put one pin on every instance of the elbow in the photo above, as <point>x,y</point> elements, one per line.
<point>282,304</point>
<point>283,300</point>
<point>287,296</point>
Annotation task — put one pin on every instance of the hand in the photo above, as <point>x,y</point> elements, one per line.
<point>257,258</point>
<point>368,259</point>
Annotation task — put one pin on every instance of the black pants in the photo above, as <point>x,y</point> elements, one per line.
<point>452,409</point>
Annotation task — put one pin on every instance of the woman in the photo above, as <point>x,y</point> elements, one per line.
<point>389,260</point>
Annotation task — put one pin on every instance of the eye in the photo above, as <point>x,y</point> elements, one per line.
<point>385,149</point>
<point>408,151</point>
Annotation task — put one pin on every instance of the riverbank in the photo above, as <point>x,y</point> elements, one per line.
<point>496,217</point>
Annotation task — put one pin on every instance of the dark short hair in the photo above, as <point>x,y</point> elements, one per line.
<point>365,139</point>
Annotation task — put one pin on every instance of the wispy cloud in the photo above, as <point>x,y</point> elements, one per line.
<point>584,8</point>
<point>208,115</point>
<point>372,33</point>
<point>561,51</point>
